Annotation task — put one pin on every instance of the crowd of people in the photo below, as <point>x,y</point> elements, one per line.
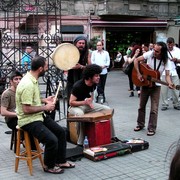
<point>26,108</point>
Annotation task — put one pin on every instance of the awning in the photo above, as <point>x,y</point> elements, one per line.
<point>145,23</point>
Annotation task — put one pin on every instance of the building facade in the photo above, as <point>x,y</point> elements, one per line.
<point>44,24</point>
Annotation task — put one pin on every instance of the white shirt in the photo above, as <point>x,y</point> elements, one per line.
<point>175,54</point>
<point>149,56</point>
<point>101,58</point>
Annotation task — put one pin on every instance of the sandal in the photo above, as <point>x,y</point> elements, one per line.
<point>68,165</point>
<point>138,128</point>
<point>54,170</point>
<point>150,133</point>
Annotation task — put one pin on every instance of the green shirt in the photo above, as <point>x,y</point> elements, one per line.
<point>28,92</point>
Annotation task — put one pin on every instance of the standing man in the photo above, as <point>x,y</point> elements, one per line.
<point>151,46</point>
<point>101,58</point>
<point>157,60</point>
<point>174,57</point>
<point>31,118</point>
<point>8,103</point>
<point>81,99</point>
<point>75,73</point>
<point>26,59</point>
<point>145,47</point>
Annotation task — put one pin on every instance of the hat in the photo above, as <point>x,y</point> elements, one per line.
<point>78,38</point>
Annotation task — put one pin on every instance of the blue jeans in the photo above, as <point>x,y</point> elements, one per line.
<point>52,136</point>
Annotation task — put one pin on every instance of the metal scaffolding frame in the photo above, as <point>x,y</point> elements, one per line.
<point>35,23</point>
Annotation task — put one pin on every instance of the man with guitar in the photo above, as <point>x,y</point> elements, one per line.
<point>157,62</point>
<point>174,57</point>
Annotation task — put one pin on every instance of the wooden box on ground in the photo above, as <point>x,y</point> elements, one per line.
<point>97,127</point>
<point>73,132</point>
<point>98,133</point>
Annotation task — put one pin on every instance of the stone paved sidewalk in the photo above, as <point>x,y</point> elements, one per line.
<point>149,164</point>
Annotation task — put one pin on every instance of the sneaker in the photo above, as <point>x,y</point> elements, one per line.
<point>177,108</point>
<point>164,108</point>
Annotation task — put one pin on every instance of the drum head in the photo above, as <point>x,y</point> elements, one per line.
<point>65,56</point>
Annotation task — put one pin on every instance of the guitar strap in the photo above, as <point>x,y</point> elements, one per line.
<point>158,65</point>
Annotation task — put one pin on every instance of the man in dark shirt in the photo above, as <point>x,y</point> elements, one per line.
<point>75,73</point>
<point>81,98</point>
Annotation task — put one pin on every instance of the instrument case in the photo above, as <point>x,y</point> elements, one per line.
<point>116,149</point>
<point>107,151</point>
<point>137,144</point>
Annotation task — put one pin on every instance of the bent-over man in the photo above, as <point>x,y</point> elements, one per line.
<point>81,98</point>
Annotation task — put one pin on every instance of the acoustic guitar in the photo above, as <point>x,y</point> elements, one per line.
<point>149,75</point>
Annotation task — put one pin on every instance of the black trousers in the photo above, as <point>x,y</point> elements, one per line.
<point>101,85</point>
<point>12,123</point>
<point>53,136</point>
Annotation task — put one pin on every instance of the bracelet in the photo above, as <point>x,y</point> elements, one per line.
<point>81,66</point>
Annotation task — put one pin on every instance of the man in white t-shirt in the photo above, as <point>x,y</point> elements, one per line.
<point>157,60</point>
<point>173,55</point>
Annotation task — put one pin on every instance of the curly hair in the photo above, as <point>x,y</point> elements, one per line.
<point>134,50</point>
<point>91,70</point>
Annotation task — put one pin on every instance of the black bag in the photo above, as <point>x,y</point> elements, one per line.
<point>178,70</point>
<point>2,84</point>
<point>127,69</point>
<point>137,144</point>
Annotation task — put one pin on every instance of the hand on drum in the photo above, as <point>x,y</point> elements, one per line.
<point>89,101</point>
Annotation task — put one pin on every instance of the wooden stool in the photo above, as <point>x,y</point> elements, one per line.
<point>13,140</point>
<point>97,127</point>
<point>27,154</point>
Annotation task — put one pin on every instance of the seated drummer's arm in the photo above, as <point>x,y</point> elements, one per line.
<point>29,109</point>
<point>74,103</point>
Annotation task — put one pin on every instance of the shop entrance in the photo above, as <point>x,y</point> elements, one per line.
<point>119,40</point>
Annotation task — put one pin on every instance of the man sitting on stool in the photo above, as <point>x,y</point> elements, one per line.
<point>8,104</point>
<point>81,99</point>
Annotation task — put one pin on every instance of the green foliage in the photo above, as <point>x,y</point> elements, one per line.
<point>94,41</point>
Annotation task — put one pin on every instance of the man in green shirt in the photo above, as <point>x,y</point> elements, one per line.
<point>31,118</point>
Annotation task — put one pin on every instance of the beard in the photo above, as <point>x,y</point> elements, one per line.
<point>42,73</point>
<point>81,49</point>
